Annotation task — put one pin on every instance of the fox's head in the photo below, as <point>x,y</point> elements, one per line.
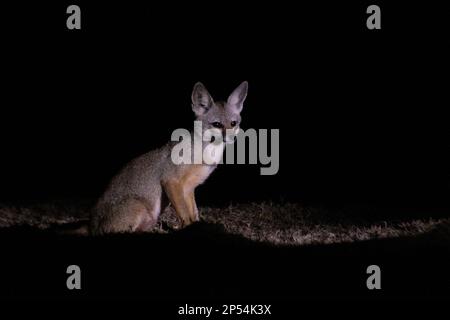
<point>220,115</point>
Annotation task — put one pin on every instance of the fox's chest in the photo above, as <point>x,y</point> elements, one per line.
<point>212,153</point>
<point>197,174</point>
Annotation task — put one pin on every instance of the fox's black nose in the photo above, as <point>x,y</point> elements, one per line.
<point>213,139</point>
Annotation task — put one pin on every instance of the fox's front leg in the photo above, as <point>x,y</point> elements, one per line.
<point>181,201</point>
<point>193,204</point>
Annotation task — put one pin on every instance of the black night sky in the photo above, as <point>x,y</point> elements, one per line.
<point>359,113</point>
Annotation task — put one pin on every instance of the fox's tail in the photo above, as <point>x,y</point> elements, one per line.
<point>79,228</point>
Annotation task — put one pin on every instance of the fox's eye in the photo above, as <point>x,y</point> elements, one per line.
<point>217,125</point>
<point>233,123</point>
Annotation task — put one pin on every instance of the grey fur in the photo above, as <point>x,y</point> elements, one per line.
<point>136,196</point>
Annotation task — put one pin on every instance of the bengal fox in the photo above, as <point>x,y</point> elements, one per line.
<point>137,195</point>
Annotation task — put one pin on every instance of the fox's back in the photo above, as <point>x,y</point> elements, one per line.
<point>140,177</point>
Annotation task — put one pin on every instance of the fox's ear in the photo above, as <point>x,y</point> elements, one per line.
<point>237,97</point>
<point>201,99</point>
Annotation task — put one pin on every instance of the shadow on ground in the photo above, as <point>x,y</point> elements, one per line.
<point>205,261</point>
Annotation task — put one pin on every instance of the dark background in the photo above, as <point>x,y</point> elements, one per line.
<point>360,112</point>
<point>361,116</point>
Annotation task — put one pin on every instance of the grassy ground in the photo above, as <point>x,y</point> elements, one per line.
<point>295,224</point>
<point>288,223</point>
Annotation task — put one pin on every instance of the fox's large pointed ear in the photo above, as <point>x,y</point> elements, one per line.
<point>237,97</point>
<point>201,99</point>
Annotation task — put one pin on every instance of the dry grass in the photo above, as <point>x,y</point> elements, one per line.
<point>288,223</point>
<point>294,224</point>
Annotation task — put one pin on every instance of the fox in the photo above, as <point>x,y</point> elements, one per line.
<point>143,188</point>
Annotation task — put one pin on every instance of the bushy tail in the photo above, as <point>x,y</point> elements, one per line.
<point>79,228</point>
